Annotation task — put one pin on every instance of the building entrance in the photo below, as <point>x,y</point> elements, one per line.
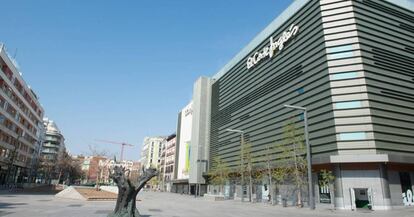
<point>362,198</point>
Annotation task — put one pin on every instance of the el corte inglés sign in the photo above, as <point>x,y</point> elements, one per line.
<point>273,47</point>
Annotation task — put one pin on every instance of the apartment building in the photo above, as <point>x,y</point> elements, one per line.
<point>21,124</point>
<point>92,168</point>
<point>107,165</point>
<point>168,162</point>
<point>151,151</point>
<point>54,142</point>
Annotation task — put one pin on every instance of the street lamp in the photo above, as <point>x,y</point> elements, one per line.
<point>204,170</point>
<point>309,154</point>
<point>242,163</point>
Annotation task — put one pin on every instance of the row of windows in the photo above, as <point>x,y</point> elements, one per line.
<point>9,109</point>
<point>14,128</point>
<point>170,145</point>
<point>6,153</point>
<point>4,137</point>
<point>49,157</point>
<point>344,75</point>
<point>50,150</point>
<point>352,136</point>
<point>340,55</point>
<point>338,52</point>
<point>7,90</point>
<point>9,74</point>
<point>348,104</point>
<point>169,169</point>
<point>23,158</point>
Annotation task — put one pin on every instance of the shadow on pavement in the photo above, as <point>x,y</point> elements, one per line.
<point>11,205</point>
<point>43,190</point>
<point>4,213</point>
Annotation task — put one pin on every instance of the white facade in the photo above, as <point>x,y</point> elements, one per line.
<point>151,151</point>
<point>184,146</point>
<point>370,180</point>
<point>200,137</point>
<point>54,142</point>
<point>21,125</point>
<point>169,162</point>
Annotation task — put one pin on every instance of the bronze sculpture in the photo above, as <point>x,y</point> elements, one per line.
<point>128,191</point>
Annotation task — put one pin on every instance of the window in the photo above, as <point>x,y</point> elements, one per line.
<point>302,116</point>
<point>337,52</point>
<point>344,75</point>
<point>339,49</point>
<point>340,55</point>
<point>348,105</point>
<point>300,90</point>
<point>352,136</point>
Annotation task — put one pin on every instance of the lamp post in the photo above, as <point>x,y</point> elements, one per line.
<point>309,154</point>
<point>204,170</point>
<point>241,158</point>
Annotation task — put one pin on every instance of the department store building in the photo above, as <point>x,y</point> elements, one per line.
<point>350,64</point>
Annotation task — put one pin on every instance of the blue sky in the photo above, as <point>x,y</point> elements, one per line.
<point>121,70</point>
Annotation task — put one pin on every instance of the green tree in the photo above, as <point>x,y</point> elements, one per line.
<point>294,154</point>
<point>154,182</point>
<point>266,166</point>
<point>246,166</point>
<point>326,178</point>
<point>282,170</point>
<point>220,173</point>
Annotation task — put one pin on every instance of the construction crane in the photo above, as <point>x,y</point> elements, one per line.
<point>123,144</point>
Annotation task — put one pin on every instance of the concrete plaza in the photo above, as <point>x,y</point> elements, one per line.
<point>155,204</point>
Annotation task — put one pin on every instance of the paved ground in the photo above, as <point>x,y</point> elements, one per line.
<point>92,194</point>
<point>154,204</point>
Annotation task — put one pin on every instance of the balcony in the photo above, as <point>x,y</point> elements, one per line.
<point>50,145</point>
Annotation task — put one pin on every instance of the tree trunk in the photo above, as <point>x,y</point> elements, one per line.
<point>250,188</point>
<point>127,192</point>
<point>126,204</point>
<point>60,175</point>
<point>270,187</point>
<point>299,197</point>
<point>249,164</point>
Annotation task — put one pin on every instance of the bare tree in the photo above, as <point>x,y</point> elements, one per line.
<point>69,168</point>
<point>99,155</point>
<point>64,163</point>
<point>47,169</point>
